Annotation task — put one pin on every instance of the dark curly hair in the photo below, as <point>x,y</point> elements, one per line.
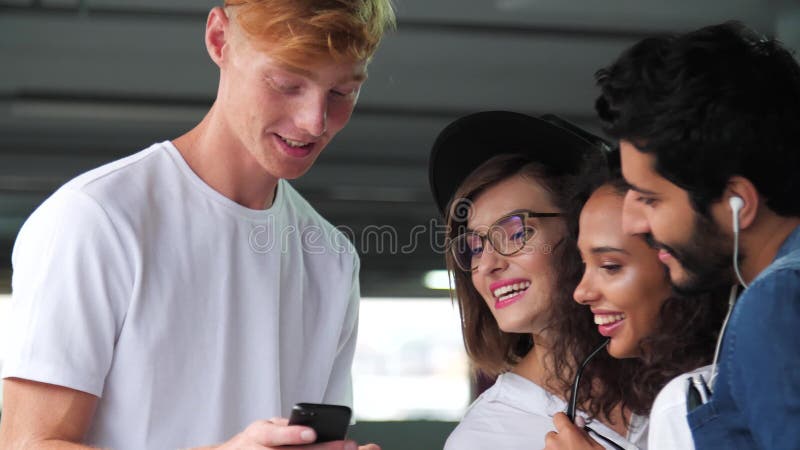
<point>683,340</point>
<point>710,104</point>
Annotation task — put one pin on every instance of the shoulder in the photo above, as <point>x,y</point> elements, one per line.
<point>771,304</point>
<point>668,427</point>
<point>126,186</point>
<point>317,233</point>
<point>90,205</point>
<point>761,338</point>
<point>105,179</point>
<point>67,213</point>
<point>499,420</point>
<point>672,396</point>
<point>782,276</point>
<point>510,400</point>
<point>106,184</point>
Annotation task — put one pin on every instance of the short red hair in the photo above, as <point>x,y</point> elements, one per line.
<point>308,30</point>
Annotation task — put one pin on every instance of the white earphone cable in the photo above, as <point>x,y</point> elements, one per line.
<point>736,204</point>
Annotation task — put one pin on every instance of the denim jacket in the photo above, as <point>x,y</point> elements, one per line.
<point>756,400</point>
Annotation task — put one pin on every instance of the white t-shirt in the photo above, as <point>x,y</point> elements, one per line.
<point>189,315</point>
<point>669,429</point>
<point>515,414</point>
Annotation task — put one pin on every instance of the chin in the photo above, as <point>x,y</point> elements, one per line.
<point>292,174</point>
<point>514,328</point>
<point>287,171</point>
<point>678,276</point>
<point>508,328</point>
<point>619,352</point>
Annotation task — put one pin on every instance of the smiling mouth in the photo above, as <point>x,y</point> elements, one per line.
<point>608,319</point>
<point>510,290</point>
<point>293,143</point>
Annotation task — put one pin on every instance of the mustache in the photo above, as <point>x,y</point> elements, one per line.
<point>653,243</point>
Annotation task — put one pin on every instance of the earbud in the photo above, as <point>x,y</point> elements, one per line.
<point>736,204</point>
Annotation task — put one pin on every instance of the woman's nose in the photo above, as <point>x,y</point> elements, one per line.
<point>584,293</point>
<point>491,261</point>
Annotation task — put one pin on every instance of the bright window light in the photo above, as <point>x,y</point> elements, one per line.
<point>5,312</point>
<point>437,280</point>
<point>410,362</point>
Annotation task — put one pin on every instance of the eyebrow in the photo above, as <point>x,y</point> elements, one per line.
<point>358,77</point>
<point>640,190</point>
<point>510,213</point>
<point>608,249</point>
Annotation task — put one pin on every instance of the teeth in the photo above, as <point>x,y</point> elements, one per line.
<point>293,143</point>
<point>606,319</point>
<point>510,290</point>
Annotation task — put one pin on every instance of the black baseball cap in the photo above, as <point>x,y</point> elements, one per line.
<point>469,141</point>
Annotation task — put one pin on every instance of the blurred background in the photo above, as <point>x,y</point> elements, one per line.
<point>84,82</point>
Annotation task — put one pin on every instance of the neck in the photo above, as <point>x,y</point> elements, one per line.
<point>225,164</point>
<point>760,243</point>
<point>536,366</point>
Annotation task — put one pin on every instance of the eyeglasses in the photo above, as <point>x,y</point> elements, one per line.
<point>508,235</point>
<point>571,406</point>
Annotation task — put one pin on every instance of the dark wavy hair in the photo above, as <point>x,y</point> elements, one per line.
<point>710,104</point>
<point>683,340</point>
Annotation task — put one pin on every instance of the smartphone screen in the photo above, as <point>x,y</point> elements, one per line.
<point>329,421</point>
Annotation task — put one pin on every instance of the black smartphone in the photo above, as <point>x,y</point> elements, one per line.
<point>329,421</point>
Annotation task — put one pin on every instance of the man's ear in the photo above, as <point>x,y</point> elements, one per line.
<point>217,34</point>
<point>743,188</point>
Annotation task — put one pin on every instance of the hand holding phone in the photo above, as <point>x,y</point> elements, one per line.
<point>330,422</point>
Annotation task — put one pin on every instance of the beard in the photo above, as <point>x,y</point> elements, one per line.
<point>706,258</point>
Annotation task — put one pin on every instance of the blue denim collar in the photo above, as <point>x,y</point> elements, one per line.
<point>790,244</point>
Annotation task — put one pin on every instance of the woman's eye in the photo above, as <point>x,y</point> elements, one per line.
<point>523,234</point>
<point>476,251</point>
<point>611,268</point>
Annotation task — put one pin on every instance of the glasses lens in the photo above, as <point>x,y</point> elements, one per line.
<point>510,234</point>
<point>467,249</point>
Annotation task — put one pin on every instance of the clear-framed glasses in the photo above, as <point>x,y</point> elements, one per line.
<point>508,235</point>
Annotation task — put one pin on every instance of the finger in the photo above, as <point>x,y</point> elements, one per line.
<point>562,422</point>
<point>333,445</point>
<point>272,435</point>
<point>551,440</point>
<point>279,421</point>
<point>370,447</point>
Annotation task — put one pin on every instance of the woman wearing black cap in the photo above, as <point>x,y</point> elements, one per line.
<point>503,180</point>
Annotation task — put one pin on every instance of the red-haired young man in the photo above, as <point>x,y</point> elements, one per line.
<point>170,299</point>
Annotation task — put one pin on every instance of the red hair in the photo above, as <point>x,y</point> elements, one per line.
<point>309,30</point>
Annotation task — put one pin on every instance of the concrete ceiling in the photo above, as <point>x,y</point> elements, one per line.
<point>85,82</point>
